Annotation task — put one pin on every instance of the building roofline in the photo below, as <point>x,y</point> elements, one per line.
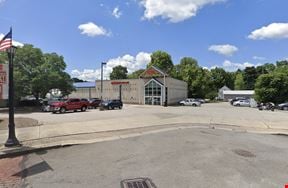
<point>156,68</point>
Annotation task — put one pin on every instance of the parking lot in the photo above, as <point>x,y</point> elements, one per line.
<point>212,113</point>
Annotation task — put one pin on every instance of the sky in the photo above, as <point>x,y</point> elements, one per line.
<point>230,34</point>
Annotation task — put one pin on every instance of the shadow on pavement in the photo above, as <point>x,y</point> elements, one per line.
<point>34,169</point>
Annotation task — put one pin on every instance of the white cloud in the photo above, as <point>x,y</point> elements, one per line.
<point>2,1</point>
<point>174,10</point>
<point>91,29</point>
<point>272,31</point>
<point>14,43</point>
<point>132,63</point>
<point>230,66</point>
<point>226,49</point>
<point>259,58</point>
<point>116,12</point>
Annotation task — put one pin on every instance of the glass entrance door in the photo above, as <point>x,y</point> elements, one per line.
<point>153,93</point>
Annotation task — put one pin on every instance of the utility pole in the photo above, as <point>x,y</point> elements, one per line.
<point>102,64</point>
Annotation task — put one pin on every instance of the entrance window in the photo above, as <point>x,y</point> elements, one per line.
<point>153,93</point>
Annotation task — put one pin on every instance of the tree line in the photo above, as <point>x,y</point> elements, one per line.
<point>36,73</point>
<point>270,81</point>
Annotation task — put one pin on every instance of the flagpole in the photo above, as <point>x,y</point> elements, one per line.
<point>12,140</point>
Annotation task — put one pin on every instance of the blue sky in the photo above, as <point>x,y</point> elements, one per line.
<point>225,33</point>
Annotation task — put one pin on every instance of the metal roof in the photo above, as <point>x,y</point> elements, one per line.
<point>238,92</point>
<point>84,84</point>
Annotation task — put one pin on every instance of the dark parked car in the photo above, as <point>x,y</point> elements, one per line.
<point>111,104</point>
<point>283,106</point>
<point>94,102</point>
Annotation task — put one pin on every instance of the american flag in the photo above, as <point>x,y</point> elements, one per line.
<point>6,42</point>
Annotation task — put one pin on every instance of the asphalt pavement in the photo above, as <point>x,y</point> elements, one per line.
<point>96,126</point>
<point>184,158</point>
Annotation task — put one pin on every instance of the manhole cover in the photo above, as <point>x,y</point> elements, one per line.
<point>137,183</point>
<point>244,153</point>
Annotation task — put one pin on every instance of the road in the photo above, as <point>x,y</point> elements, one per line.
<point>173,159</point>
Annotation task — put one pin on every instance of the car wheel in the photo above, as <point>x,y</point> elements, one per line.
<point>194,105</point>
<point>120,107</point>
<point>109,107</point>
<point>238,105</point>
<point>181,104</point>
<point>62,110</point>
<point>285,108</point>
<point>83,108</point>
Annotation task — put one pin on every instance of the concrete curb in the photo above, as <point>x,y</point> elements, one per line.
<point>31,146</point>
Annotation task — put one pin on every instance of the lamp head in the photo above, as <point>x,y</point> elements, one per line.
<point>12,50</point>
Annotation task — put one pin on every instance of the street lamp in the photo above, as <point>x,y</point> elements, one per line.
<point>102,64</point>
<point>12,140</point>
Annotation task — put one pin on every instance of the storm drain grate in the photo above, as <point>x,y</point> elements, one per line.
<point>137,183</point>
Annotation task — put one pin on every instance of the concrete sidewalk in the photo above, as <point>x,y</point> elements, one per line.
<point>154,120</point>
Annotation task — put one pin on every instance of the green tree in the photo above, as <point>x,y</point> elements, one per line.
<point>119,72</point>
<point>272,87</point>
<point>75,80</point>
<point>188,70</point>
<point>239,82</point>
<point>176,72</point>
<point>250,75</point>
<point>202,85</point>
<point>221,78</point>
<point>265,69</point>
<point>283,63</point>
<point>36,73</point>
<point>136,74</point>
<point>162,60</point>
<point>197,78</point>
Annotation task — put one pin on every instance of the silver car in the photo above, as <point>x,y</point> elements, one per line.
<point>242,103</point>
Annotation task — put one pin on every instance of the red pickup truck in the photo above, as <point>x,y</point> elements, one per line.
<point>70,104</point>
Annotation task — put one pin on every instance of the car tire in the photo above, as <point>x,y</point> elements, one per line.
<point>83,108</point>
<point>285,108</point>
<point>237,105</point>
<point>109,107</point>
<point>194,105</point>
<point>182,104</point>
<point>120,107</point>
<point>62,110</point>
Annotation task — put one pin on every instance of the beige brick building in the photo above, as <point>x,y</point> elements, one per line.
<point>152,88</point>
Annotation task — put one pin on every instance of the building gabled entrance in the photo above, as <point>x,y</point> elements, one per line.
<point>153,93</point>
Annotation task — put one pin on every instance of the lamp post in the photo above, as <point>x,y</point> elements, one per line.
<point>12,140</point>
<point>102,64</point>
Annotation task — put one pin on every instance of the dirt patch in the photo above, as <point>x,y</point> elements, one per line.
<point>19,123</point>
